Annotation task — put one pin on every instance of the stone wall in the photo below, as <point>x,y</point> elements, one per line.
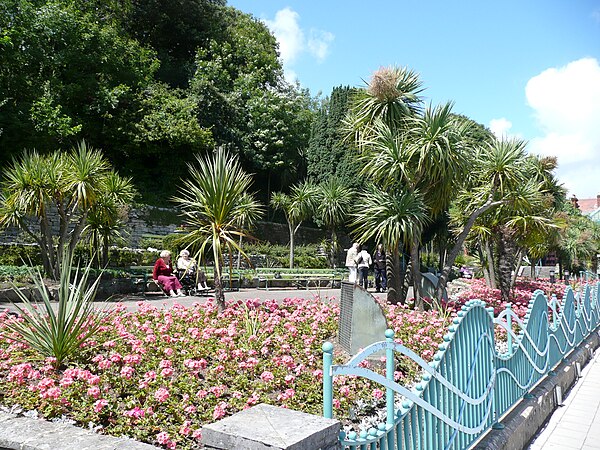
<point>153,221</point>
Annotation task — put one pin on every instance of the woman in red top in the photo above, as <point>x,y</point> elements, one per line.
<point>163,273</point>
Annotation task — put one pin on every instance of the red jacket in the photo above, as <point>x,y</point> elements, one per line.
<point>160,268</point>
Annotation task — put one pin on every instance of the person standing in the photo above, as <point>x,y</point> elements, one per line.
<point>351,262</point>
<point>379,269</point>
<point>364,261</point>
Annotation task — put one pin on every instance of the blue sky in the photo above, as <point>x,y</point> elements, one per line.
<point>528,68</point>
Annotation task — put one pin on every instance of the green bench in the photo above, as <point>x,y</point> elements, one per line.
<point>299,278</point>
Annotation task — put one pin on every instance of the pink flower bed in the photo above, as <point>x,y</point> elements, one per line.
<point>159,375</point>
<point>522,294</point>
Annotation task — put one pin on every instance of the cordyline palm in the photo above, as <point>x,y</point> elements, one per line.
<point>429,157</point>
<point>333,204</point>
<point>392,217</point>
<point>297,206</point>
<point>216,208</point>
<point>391,96</point>
<point>107,216</point>
<point>70,183</point>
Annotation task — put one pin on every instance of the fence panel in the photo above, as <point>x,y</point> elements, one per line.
<point>469,385</point>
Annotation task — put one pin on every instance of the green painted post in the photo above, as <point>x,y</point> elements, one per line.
<point>389,374</point>
<point>327,380</point>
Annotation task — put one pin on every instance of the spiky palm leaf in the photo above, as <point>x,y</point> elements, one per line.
<point>215,203</point>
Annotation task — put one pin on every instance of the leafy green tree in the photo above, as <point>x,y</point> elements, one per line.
<point>217,208</point>
<point>71,184</point>
<point>64,74</point>
<point>297,207</point>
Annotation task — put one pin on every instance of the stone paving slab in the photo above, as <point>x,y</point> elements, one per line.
<point>23,433</point>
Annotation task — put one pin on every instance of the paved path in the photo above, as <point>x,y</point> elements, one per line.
<point>131,301</point>
<point>576,424</point>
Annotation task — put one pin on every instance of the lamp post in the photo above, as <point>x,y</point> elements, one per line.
<point>566,276</point>
<point>552,279</point>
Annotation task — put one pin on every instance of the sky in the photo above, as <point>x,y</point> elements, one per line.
<point>523,68</point>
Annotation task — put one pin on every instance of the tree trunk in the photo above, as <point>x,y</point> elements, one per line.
<point>292,232</point>
<point>484,266</point>
<point>334,248</point>
<point>505,263</point>
<point>517,266</point>
<point>460,240</point>
<point>219,293</point>
<point>105,247</point>
<point>394,277</point>
<point>491,264</point>
<point>416,273</point>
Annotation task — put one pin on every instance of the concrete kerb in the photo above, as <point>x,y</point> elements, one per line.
<point>522,424</point>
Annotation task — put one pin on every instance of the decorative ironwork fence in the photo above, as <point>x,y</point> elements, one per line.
<point>469,385</point>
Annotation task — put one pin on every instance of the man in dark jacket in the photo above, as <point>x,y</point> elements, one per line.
<point>379,268</point>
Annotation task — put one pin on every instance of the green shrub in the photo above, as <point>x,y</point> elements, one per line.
<point>17,274</point>
<point>18,254</point>
<point>305,256</point>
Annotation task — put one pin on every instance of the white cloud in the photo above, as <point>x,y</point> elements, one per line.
<point>318,43</point>
<point>566,101</point>
<point>287,31</point>
<point>292,41</point>
<point>500,127</point>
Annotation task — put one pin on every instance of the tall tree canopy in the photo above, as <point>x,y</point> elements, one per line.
<point>152,83</point>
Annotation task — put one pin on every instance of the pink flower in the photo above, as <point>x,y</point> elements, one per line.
<point>378,393</point>
<point>165,363</point>
<point>136,412</point>
<point>287,394</point>
<point>220,411</point>
<point>267,376</point>
<point>53,393</point>
<point>185,428</point>
<point>162,438</point>
<point>167,372</point>
<point>161,394</point>
<point>127,372</point>
<point>99,405</point>
<point>93,392</point>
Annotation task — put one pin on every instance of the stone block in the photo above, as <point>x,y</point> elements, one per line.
<point>266,427</point>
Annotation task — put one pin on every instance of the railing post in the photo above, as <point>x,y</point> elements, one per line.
<point>327,380</point>
<point>389,373</point>
<point>509,327</point>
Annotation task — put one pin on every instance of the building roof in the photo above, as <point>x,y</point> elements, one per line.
<point>588,205</point>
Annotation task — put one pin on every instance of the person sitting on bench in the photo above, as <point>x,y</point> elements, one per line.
<point>186,272</point>
<point>163,274</point>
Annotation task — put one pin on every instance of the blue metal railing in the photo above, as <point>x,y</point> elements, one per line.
<point>468,386</point>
